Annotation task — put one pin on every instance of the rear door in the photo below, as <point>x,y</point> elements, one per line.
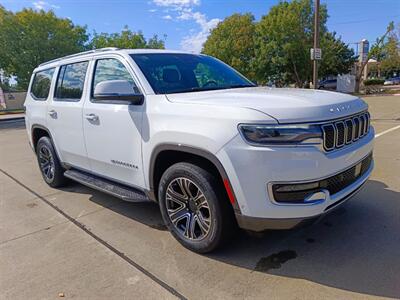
<point>37,99</point>
<point>113,130</point>
<point>64,116</point>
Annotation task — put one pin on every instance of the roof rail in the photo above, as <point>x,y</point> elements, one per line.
<point>79,54</point>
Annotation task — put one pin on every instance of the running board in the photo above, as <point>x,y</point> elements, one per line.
<point>107,186</point>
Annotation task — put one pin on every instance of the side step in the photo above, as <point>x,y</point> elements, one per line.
<point>107,186</point>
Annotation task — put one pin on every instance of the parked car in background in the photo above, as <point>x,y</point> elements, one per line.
<point>328,84</point>
<point>392,81</point>
<point>214,150</point>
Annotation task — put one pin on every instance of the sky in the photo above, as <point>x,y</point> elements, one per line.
<point>185,24</point>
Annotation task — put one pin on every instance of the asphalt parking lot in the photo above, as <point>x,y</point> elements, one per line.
<point>88,245</point>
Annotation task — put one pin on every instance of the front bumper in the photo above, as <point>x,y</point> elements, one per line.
<point>251,170</point>
<point>261,224</point>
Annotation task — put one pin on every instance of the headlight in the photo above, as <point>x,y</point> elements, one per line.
<point>280,134</point>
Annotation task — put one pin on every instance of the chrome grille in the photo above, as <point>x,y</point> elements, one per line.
<point>346,131</point>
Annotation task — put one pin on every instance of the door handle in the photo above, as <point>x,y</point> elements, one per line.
<point>53,113</point>
<point>92,117</point>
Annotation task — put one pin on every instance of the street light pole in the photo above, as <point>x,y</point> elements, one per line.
<point>316,43</point>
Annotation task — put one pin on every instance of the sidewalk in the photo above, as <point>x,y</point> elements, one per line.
<point>44,256</point>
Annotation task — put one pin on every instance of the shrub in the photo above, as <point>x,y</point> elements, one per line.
<point>373,82</point>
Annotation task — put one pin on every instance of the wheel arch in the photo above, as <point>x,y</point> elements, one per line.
<point>38,131</point>
<point>165,155</point>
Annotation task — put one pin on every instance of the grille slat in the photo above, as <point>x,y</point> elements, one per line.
<point>362,127</point>
<point>329,136</point>
<point>349,135</point>
<point>366,125</point>
<point>340,134</point>
<point>346,131</point>
<point>356,121</point>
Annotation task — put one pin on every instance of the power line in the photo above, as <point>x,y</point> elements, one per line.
<point>363,20</point>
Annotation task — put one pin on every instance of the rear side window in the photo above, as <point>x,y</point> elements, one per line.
<point>41,84</point>
<point>70,82</point>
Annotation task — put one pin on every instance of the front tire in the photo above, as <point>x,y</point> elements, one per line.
<point>49,164</point>
<point>194,207</point>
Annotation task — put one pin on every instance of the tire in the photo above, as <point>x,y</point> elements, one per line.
<point>49,164</point>
<point>190,195</point>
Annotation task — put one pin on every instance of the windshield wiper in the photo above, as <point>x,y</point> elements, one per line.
<point>211,88</point>
<point>199,89</point>
<point>235,86</point>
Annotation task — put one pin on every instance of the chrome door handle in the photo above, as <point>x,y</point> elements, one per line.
<point>92,117</point>
<point>53,113</point>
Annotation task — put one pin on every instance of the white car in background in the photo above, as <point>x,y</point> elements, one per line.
<point>189,132</point>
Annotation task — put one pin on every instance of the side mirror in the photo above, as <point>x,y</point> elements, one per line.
<point>117,91</point>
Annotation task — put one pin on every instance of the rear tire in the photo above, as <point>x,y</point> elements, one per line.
<point>195,208</point>
<point>49,164</point>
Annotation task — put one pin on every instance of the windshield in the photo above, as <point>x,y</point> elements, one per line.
<point>170,73</point>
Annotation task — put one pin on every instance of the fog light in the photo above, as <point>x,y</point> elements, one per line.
<point>297,187</point>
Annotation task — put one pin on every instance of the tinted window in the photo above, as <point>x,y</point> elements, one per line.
<point>111,69</point>
<point>179,73</point>
<point>70,82</point>
<point>41,84</point>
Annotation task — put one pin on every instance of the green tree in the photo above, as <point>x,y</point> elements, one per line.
<point>387,53</point>
<point>232,41</point>
<point>283,40</point>
<point>127,39</point>
<point>277,47</point>
<point>31,37</point>
<point>376,52</point>
<point>337,57</point>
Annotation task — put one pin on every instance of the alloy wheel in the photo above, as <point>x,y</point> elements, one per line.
<point>188,209</point>
<point>46,162</point>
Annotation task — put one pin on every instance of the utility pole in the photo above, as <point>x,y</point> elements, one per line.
<point>316,43</point>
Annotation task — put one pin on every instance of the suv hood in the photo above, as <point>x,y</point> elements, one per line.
<point>286,105</point>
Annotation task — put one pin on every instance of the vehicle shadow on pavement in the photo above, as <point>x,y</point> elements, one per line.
<point>147,213</point>
<point>355,248</point>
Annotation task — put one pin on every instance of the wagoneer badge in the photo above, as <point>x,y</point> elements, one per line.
<point>340,108</point>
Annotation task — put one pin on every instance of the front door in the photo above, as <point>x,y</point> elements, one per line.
<point>64,114</point>
<point>113,130</point>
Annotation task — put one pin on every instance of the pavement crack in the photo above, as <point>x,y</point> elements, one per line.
<point>32,233</point>
<point>81,226</point>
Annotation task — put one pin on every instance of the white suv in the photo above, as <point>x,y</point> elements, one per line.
<point>189,132</point>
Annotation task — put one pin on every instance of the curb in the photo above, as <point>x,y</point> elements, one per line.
<point>380,95</point>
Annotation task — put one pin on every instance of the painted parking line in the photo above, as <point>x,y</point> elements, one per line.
<point>387,131</point>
